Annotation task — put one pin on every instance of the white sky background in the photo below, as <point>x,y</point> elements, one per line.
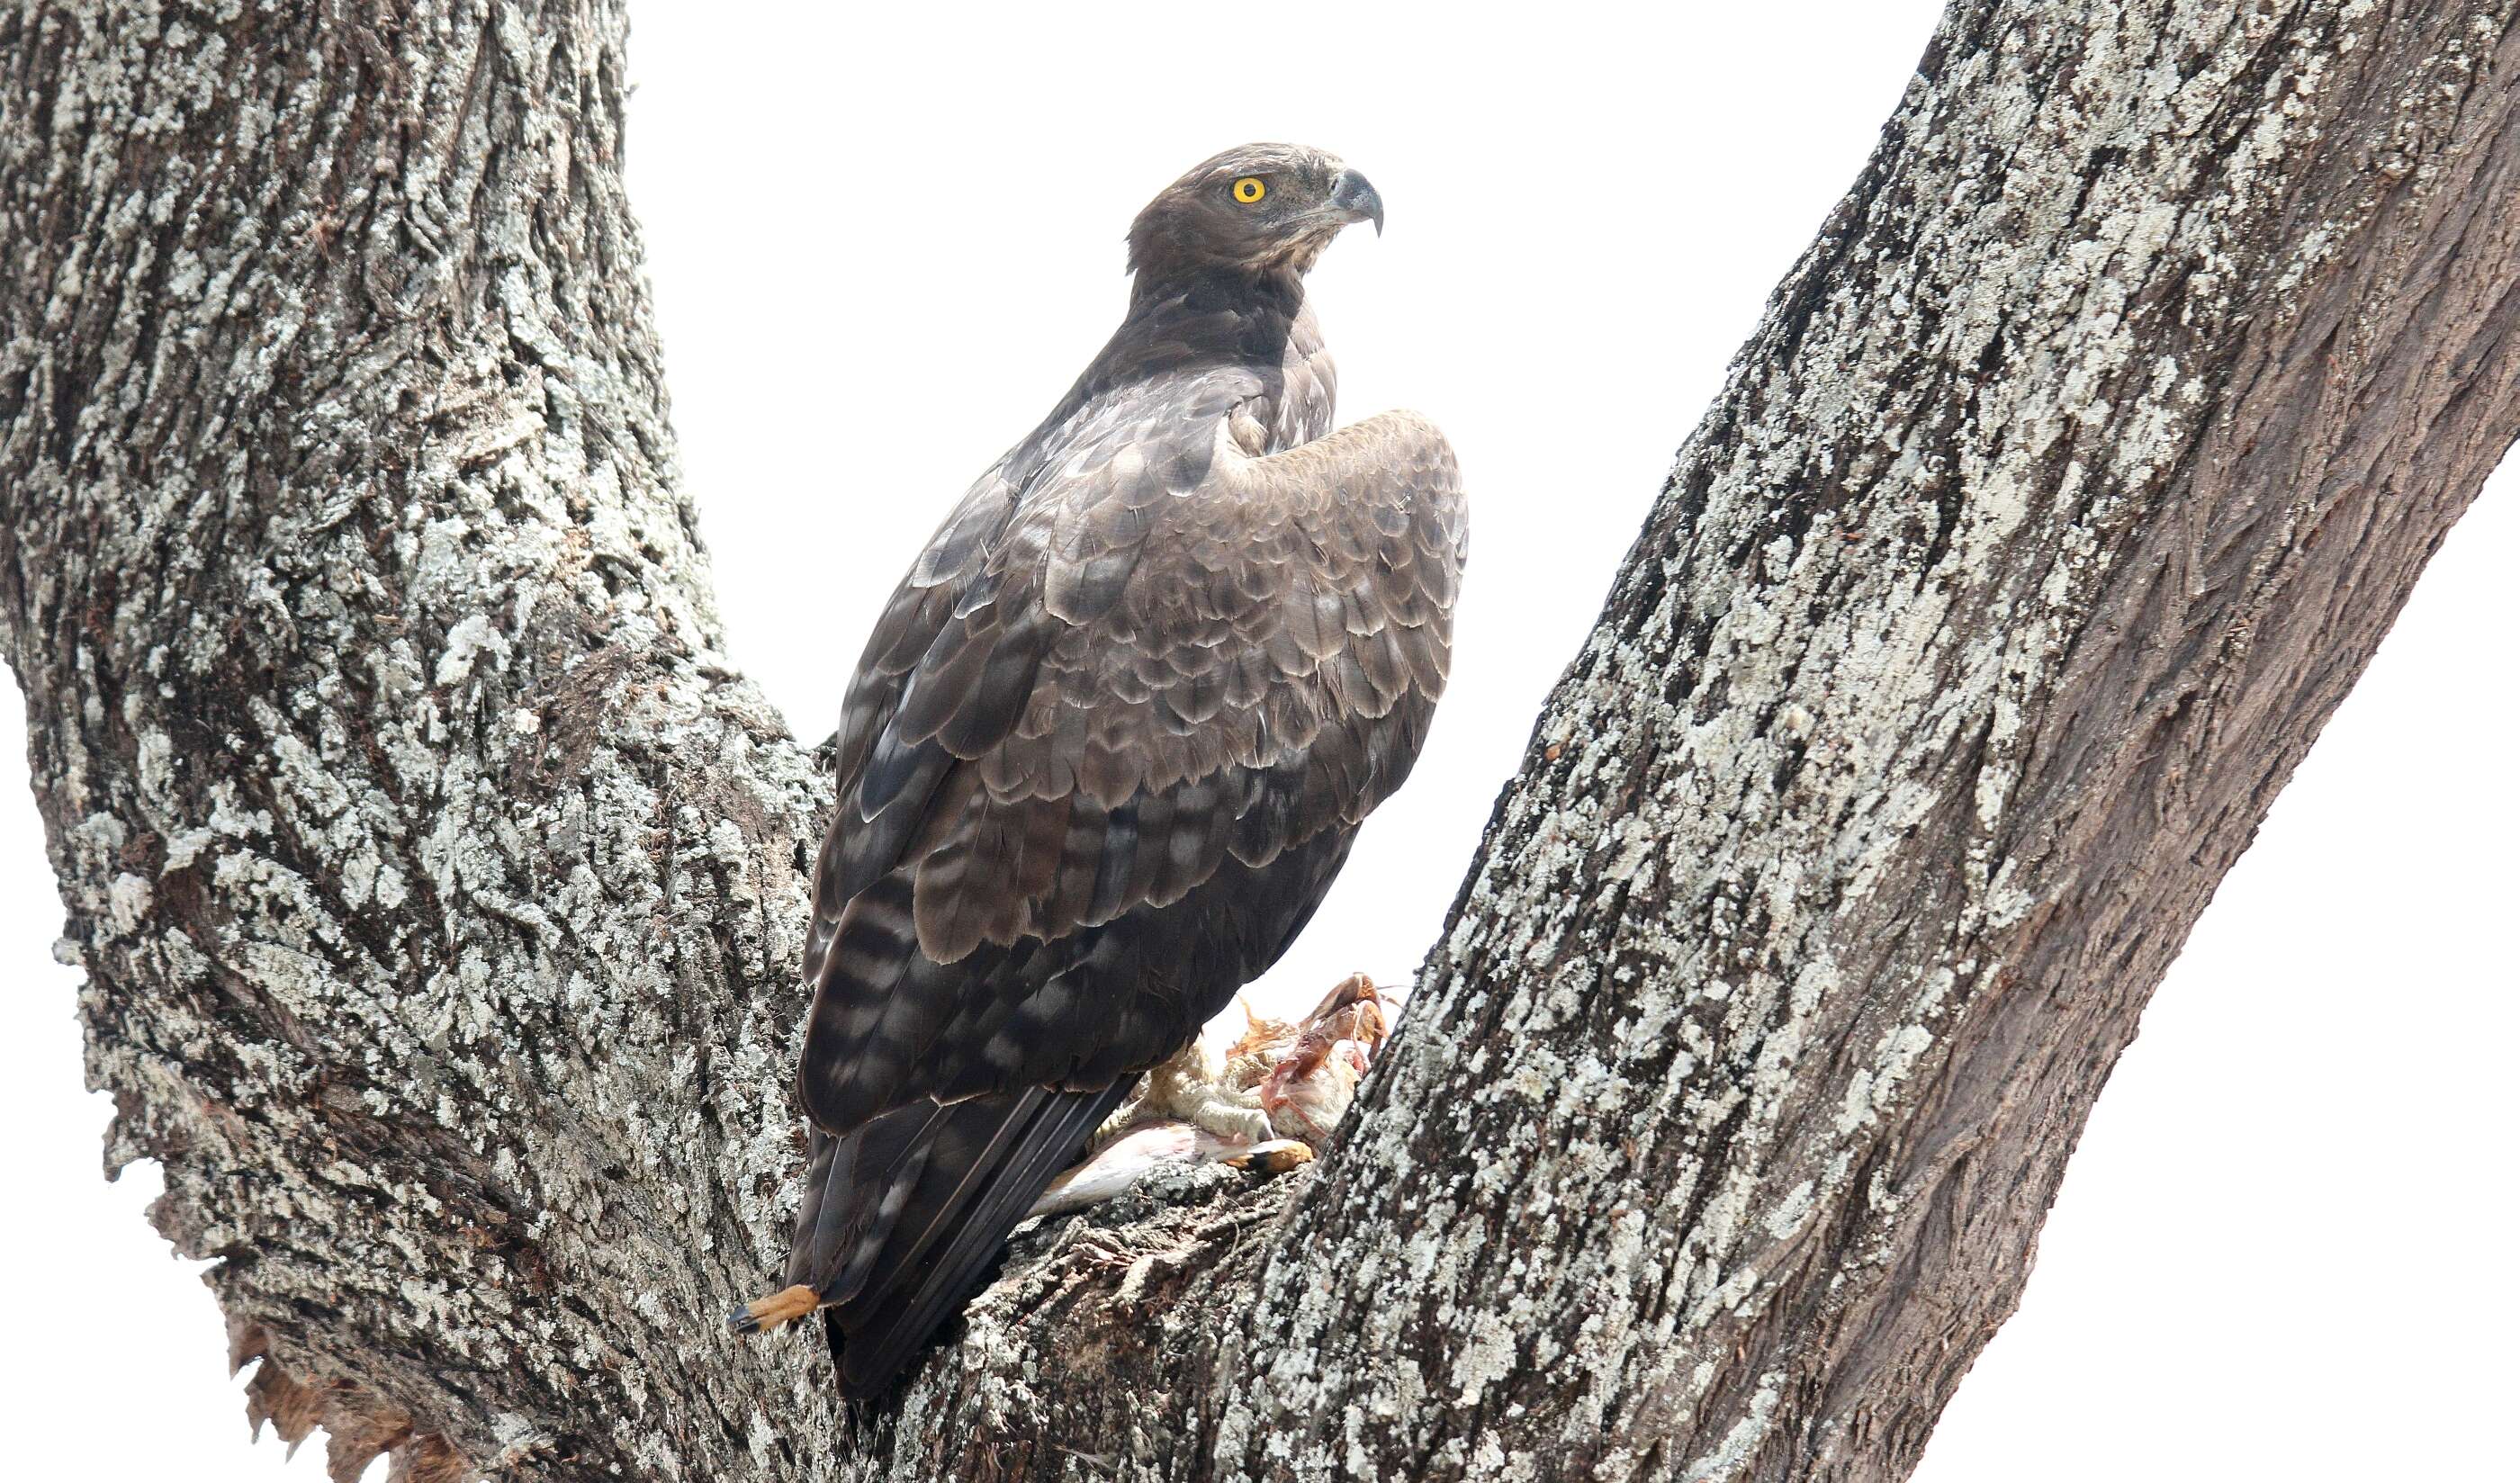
<point>882,245</point>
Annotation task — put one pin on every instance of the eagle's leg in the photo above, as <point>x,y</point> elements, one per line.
<point>1195,1087</point>
<point>1192,1087</point>
<point>1225,1110</point>
<point>1122,1118</point>
<point>779,1309</point>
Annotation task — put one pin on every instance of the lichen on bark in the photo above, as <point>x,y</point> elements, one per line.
<point>436,883</point>
<point>1975,629</point>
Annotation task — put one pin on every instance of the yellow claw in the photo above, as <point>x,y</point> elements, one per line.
<point>777,1311</point>
<point>1280,1156</point>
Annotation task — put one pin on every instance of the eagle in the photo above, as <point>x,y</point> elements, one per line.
<point>1106,748</point>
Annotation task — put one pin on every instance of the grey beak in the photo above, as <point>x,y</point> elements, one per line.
<point>1357,199</point>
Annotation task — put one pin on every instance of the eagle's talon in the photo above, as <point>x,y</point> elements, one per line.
<point>1117,1125</point>
<point>1245,1125</point>
<point>765,1315</point>
<point>1278,1155</point>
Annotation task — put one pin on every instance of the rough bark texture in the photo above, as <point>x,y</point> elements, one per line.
<point>439,888</point>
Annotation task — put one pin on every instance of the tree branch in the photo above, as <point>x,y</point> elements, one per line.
<point>440,888</point>
<point>2072,477</point>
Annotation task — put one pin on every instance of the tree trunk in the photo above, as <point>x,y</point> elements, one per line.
<point>440,888</point>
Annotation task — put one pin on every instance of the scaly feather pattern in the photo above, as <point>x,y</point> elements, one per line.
<point>1106,748</point>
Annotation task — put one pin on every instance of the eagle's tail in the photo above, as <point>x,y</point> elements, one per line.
<point>902,1217</point>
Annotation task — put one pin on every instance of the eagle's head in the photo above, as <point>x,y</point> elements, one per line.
<point>1255,209</point>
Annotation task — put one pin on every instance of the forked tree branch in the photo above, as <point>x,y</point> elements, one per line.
<point>439,887</point>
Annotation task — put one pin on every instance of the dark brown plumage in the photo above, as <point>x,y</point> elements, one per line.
<point>1108,746</point>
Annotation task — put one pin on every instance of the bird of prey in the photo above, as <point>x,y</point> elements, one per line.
<point>1108,746</point>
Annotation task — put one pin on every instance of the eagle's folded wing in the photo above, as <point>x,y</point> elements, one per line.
<point>1086,698</point>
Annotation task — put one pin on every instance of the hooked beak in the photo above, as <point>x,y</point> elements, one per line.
<point>1356,200</point>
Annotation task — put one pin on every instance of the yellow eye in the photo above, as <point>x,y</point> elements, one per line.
<point>1250,188</point>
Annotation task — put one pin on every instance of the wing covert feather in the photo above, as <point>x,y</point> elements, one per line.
<point>1116,678</point>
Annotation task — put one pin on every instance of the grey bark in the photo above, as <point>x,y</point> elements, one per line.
<point>440,885</point>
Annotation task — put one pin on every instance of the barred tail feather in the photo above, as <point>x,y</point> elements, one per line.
<point>903,1215</point>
